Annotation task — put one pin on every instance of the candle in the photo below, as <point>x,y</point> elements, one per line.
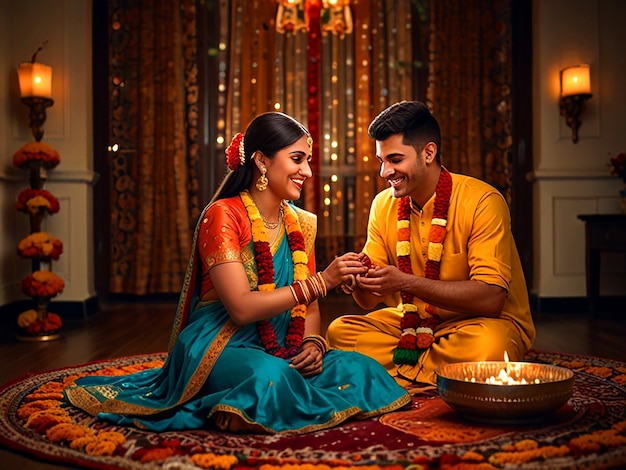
<point>575,81</point>
<point>35,80</point>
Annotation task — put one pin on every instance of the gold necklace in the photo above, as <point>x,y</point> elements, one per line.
<point>279,220</point>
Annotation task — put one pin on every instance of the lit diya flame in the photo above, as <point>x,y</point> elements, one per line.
<point>507,376</point>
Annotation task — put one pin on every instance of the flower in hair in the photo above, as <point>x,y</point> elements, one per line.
<point>235,155</point>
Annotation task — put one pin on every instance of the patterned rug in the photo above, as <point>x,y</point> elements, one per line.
<point>588,432</point>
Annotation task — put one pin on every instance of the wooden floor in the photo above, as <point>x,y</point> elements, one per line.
<point>128,328</point>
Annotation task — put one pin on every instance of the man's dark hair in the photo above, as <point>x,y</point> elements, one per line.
<point>413,120</point>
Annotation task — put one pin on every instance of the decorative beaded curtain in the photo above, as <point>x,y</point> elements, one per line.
<point>334,81</point>
<point>330,75</point>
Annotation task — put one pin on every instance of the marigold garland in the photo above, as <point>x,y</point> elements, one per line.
<point>38,202</point>
<point>40,245</point>
<point>100,447</point>
<point>30,322</point>
<point>265,272</point>
<point>42,283</point>
<point>38,152</point>
<point>50,419</point>
<point>68,432</point>
<point>28,408</point>
<point>41,421</point>
<point>214,461</point>
<point>48,416</point>
<point>418,327</point>
<point>33,201</point>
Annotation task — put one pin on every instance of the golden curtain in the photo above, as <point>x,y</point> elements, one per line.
<point>384,75</point>
<point>469,87</point>
<point>153,111</point>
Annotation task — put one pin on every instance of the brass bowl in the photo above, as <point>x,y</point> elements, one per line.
<point>504,404</point>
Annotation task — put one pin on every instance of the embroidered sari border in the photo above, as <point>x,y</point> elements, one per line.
<point>81,397</point>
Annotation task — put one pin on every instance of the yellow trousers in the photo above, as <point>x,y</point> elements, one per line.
<point>478,339</point>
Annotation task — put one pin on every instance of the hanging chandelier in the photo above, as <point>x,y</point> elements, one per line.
<point>294,16</point>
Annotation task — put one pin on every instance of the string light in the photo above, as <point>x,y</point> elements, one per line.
<point>347,89</point>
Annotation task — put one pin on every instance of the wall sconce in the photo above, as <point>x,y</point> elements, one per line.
<point>575,90</point>
<point>36,91</point>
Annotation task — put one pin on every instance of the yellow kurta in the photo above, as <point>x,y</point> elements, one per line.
<point>478,246</point>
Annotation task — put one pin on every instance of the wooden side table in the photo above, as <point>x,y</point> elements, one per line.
<point>603,232</point>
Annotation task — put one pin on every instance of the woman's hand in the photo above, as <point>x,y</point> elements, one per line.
<point>343,269</point>
<point>310,361</point>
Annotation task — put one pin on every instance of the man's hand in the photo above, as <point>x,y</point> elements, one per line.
<point>382,281</point>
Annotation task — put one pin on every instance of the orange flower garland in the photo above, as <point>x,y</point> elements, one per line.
<point>40,245</point>
<point>418,327</point>
<point>38,152</point>
<point>34,201</point>
<point>30,322</point>
<point>37,203</point>
<point>42,284</point>
<point>265,272</point>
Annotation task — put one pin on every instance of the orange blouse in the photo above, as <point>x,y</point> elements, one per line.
<point>225,236</point>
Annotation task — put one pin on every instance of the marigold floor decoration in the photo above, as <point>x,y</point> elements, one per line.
<point>588,432</point>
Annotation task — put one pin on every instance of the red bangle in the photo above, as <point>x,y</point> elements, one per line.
<point>298,293</point>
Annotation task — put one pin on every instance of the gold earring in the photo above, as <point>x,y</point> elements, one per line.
<point>261,183</point>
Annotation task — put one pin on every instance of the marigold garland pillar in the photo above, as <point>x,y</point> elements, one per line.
<point>37,324</point>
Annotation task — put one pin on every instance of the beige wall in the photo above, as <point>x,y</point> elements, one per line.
<point>571,179</point>
<point>66,25</point>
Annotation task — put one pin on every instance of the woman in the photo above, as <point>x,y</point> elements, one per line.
<point>246,352</point>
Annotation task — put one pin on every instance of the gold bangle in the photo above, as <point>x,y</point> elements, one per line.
<point>293,292</point>
<point>313,284</point>
<point>318,340</point>
<point>322,283</point>
<point>317,285</point>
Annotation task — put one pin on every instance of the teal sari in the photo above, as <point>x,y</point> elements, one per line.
<point>215,366</point>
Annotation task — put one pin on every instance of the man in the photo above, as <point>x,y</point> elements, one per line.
<point>443,259</point>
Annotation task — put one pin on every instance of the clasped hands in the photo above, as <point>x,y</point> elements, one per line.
<point>309,361</point>
<point>377,280</point>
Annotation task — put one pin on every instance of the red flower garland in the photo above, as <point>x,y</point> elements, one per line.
<point>314,54</point>
<point>44,200</point>
<point>418,328</point>
<point>30,322</point>
<point>42,283</point>
<point>265,273</point>
<point>40,245</point>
